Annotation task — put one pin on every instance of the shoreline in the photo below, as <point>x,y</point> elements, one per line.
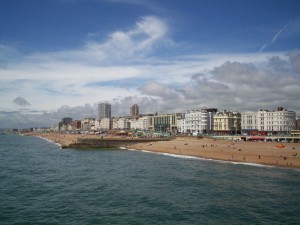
<point>215,160</point>
<point>262,153</point>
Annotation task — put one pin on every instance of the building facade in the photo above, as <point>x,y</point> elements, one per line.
<point>121,123</point>
<point>276,121</point>
<point>65,123</point>
<point>298,124</point>
<point>106,124</point>
<point>280,120</point>
<point>249,121</point>
<point>140,123</point>
<point>196,121</point>
<point>227,122</point>
<point>76,124</point>
<point>88,123</point>
<point>134,111</point>
<point>104,110</point>
<point>163,122</point>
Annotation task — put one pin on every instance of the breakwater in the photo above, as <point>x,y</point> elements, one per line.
<point>111,142</point>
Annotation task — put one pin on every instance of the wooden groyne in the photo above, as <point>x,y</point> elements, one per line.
<point>111,142</point>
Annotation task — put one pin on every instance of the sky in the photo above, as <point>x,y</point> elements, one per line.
<point>59,58</point>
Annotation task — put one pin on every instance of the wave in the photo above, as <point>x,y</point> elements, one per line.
<point>207,159</point>
<point>251,164</point>
<point>53,142</point>
<point>180,156</point>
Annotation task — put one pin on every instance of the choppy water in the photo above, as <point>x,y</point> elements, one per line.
<point>43,184</point>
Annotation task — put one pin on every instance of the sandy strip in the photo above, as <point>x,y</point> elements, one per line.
<point>265,153</point>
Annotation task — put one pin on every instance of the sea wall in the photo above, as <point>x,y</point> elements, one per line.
<point>111,142</point>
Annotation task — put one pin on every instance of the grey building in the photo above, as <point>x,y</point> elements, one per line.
<point>104,110</point>
<point>134,111</point>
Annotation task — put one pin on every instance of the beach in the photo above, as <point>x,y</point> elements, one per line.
<point>266,153</point>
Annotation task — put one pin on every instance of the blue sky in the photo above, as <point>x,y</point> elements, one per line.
<point>166,56</point>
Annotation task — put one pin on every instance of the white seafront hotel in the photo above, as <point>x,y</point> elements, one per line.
<point>196,121</point>
<point>280,120</point>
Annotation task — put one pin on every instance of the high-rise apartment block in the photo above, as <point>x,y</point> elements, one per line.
<point>104,110</point>
<point>134,111</point>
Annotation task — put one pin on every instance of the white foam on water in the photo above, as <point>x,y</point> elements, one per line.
<point>179,156</point>
<point>207,159</point>
<point>53,142</point>
<point>250,164</point>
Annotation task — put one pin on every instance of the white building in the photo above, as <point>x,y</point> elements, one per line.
<point>88,123</point>
<point>280,120</point>
<point>249,121</point>
<point>55,127</point>
<point>106,124</point>
<point>136,124</point>
<point>97,125</point>
<point>141,123</point>
<point>197,121</point>
<point>121,123</point>
<point>181,124</point>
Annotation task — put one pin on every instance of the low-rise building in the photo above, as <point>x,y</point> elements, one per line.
<point>88,123</point>
<point>248,122</point>
<point>65,124</point>
<point>298,124</point>
<point>76,124</point>
<point>140,123</point>
<point>281,120</point>
<point>197,121</point>
<point>120,123</point>
<point>163,122</point>
<point>106,123</point>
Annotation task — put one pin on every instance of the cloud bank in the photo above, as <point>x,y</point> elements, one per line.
<point>127,68</point>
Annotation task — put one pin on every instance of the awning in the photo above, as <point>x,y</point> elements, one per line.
<point>261,138</point>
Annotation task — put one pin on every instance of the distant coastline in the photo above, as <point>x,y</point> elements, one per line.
<point>265,153</point>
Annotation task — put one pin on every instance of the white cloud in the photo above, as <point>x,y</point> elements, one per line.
<point>85,73</point>
<point>132,44</point>
<point>159,90</point>
<point>123,69</point>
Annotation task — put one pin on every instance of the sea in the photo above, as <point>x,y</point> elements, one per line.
<point>41,183</point>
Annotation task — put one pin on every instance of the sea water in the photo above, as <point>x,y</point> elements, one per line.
<point>40,183</point>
